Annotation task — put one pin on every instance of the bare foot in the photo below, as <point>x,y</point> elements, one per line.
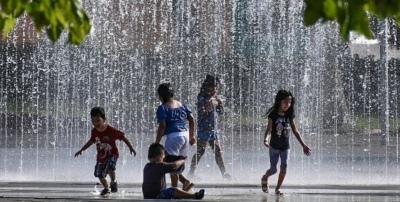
<point>187,185</point>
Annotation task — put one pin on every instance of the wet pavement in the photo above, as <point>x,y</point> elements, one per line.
<point>66,191</point>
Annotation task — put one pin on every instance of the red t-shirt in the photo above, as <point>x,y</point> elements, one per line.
<point>105,142</point>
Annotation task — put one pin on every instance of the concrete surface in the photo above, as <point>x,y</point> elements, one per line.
<point>62,191</point>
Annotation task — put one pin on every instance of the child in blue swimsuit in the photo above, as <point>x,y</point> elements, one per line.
<point>173,118</point>
<point>209,107</point>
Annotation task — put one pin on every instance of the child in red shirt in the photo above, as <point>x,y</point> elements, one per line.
<point>105,136</point>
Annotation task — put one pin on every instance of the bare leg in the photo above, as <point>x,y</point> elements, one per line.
<point>282,173</point>
<point>183,194</point>
<point>186,195</point>
<point>201,148</point>
<point>187,184</point>
<point>112,175</point>
<point>280,181</point>
<point>273,158</point>
<point>104,182</point>
<point>174,180</point>
<point>218,156</point>
<point>182,178</point>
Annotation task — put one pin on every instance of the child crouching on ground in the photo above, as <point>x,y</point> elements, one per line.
<point>154,184</point>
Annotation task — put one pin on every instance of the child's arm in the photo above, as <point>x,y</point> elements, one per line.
<point>131,149</point>
<point>179,163</point>
<point>268,133</point>
<point>192,139</point>
<point>220,106</point>
<point>207,106</point>
<point>160,131</point>
<point>87,145</point>
<point>306,149</point>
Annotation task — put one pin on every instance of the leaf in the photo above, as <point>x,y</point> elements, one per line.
<point>362,26</point>
<point>54,15</point>
<point>330,9</point>
<point>54,32</point>
<point>398,19</point>
<point>9,24</point>
<point>344,29</point>
<point>15,7</point>
<point>313,11</point>
<point>2,23</point>
<point>35,10</point>
<point>74,39</point>
<point>59,14</point>
<point>366,31</point>
<point>80,23</point>
<point>359,21</point>
<point>40,21</point>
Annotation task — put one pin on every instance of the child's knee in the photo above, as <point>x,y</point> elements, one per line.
<point>283,168</point>
<point>272,171</point>
<point>173,158</point>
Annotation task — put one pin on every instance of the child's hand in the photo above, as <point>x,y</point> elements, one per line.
<point>266,143</point>
<point>219,100</point>
<point>78,153</point>
<point>211,103</point>
<point>132,150</point>
<point>306,150</point>
<point>192,141</point>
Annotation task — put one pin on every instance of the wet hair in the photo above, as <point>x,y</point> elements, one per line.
<point>98,112</point>
<point>210,81</point>
<point>155,150</point>
<point>165,91</point>
<point>281,95</point>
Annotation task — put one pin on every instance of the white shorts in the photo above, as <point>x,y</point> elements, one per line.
<point>177,144</point>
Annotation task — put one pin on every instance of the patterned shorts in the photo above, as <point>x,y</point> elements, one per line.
<point>167,193</point>
<point>101,169</point>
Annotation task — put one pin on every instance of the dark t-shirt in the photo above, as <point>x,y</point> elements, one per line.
<point>154,178</point>
<point>280,131</point>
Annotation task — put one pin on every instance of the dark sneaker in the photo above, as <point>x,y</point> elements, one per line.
<point>199,195</point>
<point>105,192</point>
<point>114,187</point>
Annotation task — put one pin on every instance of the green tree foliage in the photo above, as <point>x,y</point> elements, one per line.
<point>54,16</point>
<point>351,15</point>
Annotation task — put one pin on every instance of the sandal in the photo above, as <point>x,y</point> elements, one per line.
<point>187,185</point>
<point>264,185</point>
